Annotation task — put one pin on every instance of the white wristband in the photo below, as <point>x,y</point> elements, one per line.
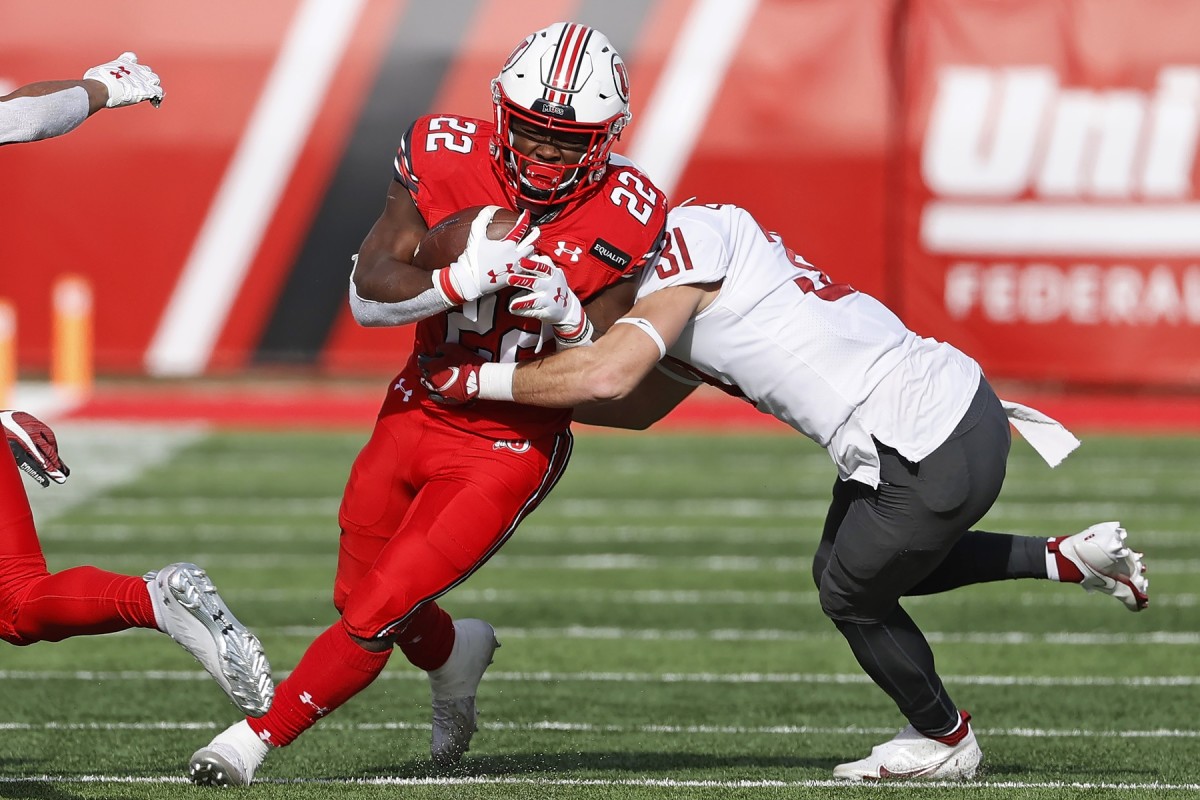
<point>496,381</point>
<point>645,327</point>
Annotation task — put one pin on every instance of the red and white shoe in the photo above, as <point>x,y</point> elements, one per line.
<point>911,755</point>
<point>1107,563</point>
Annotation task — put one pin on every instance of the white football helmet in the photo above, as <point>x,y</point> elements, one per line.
<point>566,79</point>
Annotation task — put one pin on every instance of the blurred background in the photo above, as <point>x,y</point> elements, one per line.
<point>1018,177</point>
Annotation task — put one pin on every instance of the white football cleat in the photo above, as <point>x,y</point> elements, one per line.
<point>231,759</point>
<point>189,610</point>
<point>912,755</point>
<point>454,685</point>
<point>1107,563</point>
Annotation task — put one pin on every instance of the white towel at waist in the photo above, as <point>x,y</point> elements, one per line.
<point>1047,436</point>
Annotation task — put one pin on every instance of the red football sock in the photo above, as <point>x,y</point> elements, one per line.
<point>81,601</point>
<point>428,638</point>
<point>331,671</point>
<point>958,734</point>
<point>1067,571</point>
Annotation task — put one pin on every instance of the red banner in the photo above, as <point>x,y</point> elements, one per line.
<point>1051,219</point>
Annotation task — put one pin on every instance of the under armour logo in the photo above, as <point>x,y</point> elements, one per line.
<point>573,252</point>
<point>307,699</point>
<point>264,735</point>
<point>399,387</point>
<point>560,296</point>
<point>515,445</point>
<point>120,72</point>
<point>496,276</point>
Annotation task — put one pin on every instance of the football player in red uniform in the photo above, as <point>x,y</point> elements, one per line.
<point>179,599</point>
<point>35,604</point>
<point>436,491</point>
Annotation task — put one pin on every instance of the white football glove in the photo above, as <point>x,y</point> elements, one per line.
<point>548,297</point>
<point>34,447</point>
<point>485,262</point>
<point>128,81</point>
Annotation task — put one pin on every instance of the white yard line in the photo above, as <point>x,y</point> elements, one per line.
<point>321,526</point>
<point>666,783</point>
<point>675,509</point>
<point>667,597</point>
<point>592,562</point>
<point>770,678</point>
<point>588,727</point>
<point>586,633</point>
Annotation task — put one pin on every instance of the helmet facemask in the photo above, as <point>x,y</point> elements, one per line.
<point>541,183</point>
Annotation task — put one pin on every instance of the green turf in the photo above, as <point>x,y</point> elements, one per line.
<point>661,633</point>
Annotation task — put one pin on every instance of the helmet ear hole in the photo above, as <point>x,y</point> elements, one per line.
<point>566,79</point>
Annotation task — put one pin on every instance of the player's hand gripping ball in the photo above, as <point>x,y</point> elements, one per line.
<point>471,251</point>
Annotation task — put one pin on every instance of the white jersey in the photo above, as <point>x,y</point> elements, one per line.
<point>834,363</point>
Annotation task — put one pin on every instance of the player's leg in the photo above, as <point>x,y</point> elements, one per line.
<point>878,544</point>
<point>179,600</point>
<point>374,503</point>
<point>463,511</point>
<point>1098,558</point>
<point>37,606</point>
<point>466,509</point>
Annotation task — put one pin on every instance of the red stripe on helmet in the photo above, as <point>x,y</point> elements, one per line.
<point>569,60</point>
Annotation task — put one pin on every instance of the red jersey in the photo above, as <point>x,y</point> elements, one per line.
<point>446,164</point>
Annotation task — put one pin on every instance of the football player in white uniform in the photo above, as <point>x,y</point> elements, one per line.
<point>919,438</point>
<point>47,109</point>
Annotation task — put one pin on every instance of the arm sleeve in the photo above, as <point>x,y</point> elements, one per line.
<point>28,119</point>
<point>374,314</point>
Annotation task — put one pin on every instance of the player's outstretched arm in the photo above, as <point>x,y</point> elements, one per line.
<point>609,370</point>
<point>34,446</point>
<point>45,109</point>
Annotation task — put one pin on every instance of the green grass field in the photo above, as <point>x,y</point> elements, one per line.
<point>661,634</point>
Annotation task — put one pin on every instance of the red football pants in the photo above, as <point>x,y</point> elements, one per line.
<point>36,606</point>
<point>425,506</point>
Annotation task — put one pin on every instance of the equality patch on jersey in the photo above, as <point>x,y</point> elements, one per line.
<point>612,255</point>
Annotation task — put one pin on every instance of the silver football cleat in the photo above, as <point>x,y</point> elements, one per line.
<point>190,611</point>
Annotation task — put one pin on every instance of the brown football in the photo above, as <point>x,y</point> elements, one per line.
<point>444,242</point>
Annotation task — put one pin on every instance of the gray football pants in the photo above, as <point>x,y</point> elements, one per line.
<point>911,536</point>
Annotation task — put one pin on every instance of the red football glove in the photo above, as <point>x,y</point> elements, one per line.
<point>34,447</point>
<point>451,375</point>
